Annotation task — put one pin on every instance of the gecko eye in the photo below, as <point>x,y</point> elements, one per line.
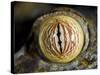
<point>61,35</point>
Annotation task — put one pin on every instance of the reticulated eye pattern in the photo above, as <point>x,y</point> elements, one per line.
<point>61,35</point>
<point>60,38</point>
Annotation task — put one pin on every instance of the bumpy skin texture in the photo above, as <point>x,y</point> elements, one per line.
<point>86,59</point>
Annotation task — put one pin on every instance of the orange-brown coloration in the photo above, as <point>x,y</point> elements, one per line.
<point>69,45</point>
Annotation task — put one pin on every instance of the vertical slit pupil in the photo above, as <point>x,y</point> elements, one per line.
<point>58,34</point>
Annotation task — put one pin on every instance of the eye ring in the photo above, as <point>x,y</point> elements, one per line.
<point>51,39</point>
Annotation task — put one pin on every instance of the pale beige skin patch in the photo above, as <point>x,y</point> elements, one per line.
<point>61,38</point>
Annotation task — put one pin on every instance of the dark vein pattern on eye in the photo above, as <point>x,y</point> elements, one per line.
<point>60,38</point>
